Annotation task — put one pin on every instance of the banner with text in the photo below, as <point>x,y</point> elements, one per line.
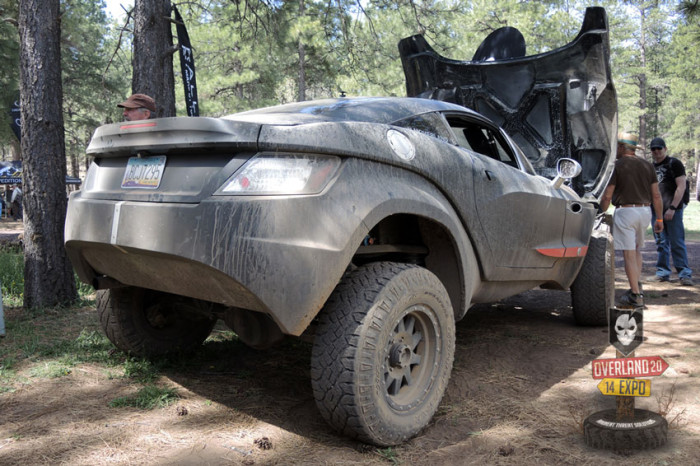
<point>187,66</point>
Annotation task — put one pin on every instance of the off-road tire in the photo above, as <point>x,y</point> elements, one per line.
<point>149,323</point>
<point>646,431</point>
<point>593,291</point>
<point>383,352</point>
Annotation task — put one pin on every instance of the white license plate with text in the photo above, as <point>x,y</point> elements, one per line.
<point>144,172</point>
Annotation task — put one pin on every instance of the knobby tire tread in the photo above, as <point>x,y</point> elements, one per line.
<point>593,290</point>
<point>118,310</point>
<point>336,351</point>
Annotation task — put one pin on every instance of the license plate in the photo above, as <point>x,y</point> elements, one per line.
<point>144,172</point>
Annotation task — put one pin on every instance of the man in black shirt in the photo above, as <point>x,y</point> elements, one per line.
<point>670,243</point>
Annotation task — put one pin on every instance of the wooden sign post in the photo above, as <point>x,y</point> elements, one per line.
<point>626,429</point>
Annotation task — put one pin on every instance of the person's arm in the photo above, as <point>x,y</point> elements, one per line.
<point>677,198</point>
<point>658,205</point>
<point>607,197</point>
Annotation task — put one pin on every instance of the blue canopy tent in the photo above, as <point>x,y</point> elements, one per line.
<point>11,173</point>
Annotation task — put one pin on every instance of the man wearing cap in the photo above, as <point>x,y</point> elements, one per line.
<point>670,243</point>
<point>633,187</point>
<point>138,107</point>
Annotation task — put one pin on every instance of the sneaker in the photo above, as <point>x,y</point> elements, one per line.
<point>662,278</point>
<point>641,289</point>
<point>687,281</point>
<point>629,292</point>
<point>631,300</point>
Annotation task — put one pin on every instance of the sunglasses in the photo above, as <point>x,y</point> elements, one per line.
<point>656,148</point>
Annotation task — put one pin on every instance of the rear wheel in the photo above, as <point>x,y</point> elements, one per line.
<point>150,323</point>
<point>593,291</point>
<point>383,352</point>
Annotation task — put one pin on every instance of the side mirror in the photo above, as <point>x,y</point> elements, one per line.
<point>566,169</point>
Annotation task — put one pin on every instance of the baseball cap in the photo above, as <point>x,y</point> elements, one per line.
<point>139,101</point>
<point>657,143</point>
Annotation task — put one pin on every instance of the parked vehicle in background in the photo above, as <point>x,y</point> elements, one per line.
<point>371,223</point>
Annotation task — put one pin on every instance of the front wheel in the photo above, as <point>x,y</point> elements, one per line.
<point>593,291</point>
<point>383,352</point>
<point>150,323</point>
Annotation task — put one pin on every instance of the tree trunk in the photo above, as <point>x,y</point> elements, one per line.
<point>643,83</point>
<point>697,179</point>
<point>153,54</point>
<point>16,150</point>
<point>48,274</point>
<point>74,165</point>
<point>301,96</point>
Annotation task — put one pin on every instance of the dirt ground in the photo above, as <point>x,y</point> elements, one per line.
<point>10,230</point>
<point>520,390</point>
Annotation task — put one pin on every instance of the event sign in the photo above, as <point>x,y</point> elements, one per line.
<point>646,366</point>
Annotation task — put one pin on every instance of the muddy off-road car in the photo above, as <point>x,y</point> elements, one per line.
<point>371,224</point>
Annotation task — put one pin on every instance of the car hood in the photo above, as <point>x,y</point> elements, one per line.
<point>556,104</point>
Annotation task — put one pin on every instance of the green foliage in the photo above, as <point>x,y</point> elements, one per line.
<point>691,221</point>
<point>148,397</point>
<point>259,53</point>
<point>50,370</point>
<point>12,275</point>
<point>46,346</point>
<point>90,90</point>
<point>389,454</point>
<point>89,346</point>
<point>90,93</point>
<point>9,57</point>
<point>142,370</point>
<point>12,279</point>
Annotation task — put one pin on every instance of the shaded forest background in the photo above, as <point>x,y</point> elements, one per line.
<point>251,54</point>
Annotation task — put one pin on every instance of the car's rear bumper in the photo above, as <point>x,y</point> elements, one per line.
<point>257,254</point>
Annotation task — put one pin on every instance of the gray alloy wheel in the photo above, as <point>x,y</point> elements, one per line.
<point>593,291</point>
<point>150,323</point>
<point>383,352</point>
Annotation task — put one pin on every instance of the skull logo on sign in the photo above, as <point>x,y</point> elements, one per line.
<point>626,328</point>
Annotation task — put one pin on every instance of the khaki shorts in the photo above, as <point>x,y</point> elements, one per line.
<point>629,226</point>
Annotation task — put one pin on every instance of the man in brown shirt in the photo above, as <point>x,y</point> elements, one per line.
<point>632,188</point>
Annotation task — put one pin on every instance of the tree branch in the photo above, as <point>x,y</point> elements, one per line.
<point>119,42</point>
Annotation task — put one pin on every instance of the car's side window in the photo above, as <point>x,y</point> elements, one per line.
<point>478,138</point>
<point>431,124</point>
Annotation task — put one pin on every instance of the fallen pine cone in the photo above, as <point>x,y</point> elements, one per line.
<point>263,443</point>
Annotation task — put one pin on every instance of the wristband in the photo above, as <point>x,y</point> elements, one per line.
<point>659,220</point>
<point>672,207</point>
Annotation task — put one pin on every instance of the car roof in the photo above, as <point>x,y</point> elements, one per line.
<point>384,110</point>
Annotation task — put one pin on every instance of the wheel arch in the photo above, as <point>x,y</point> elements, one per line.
<point>428,234</point>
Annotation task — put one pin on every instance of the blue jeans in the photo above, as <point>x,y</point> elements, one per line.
<point>670,243</point>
